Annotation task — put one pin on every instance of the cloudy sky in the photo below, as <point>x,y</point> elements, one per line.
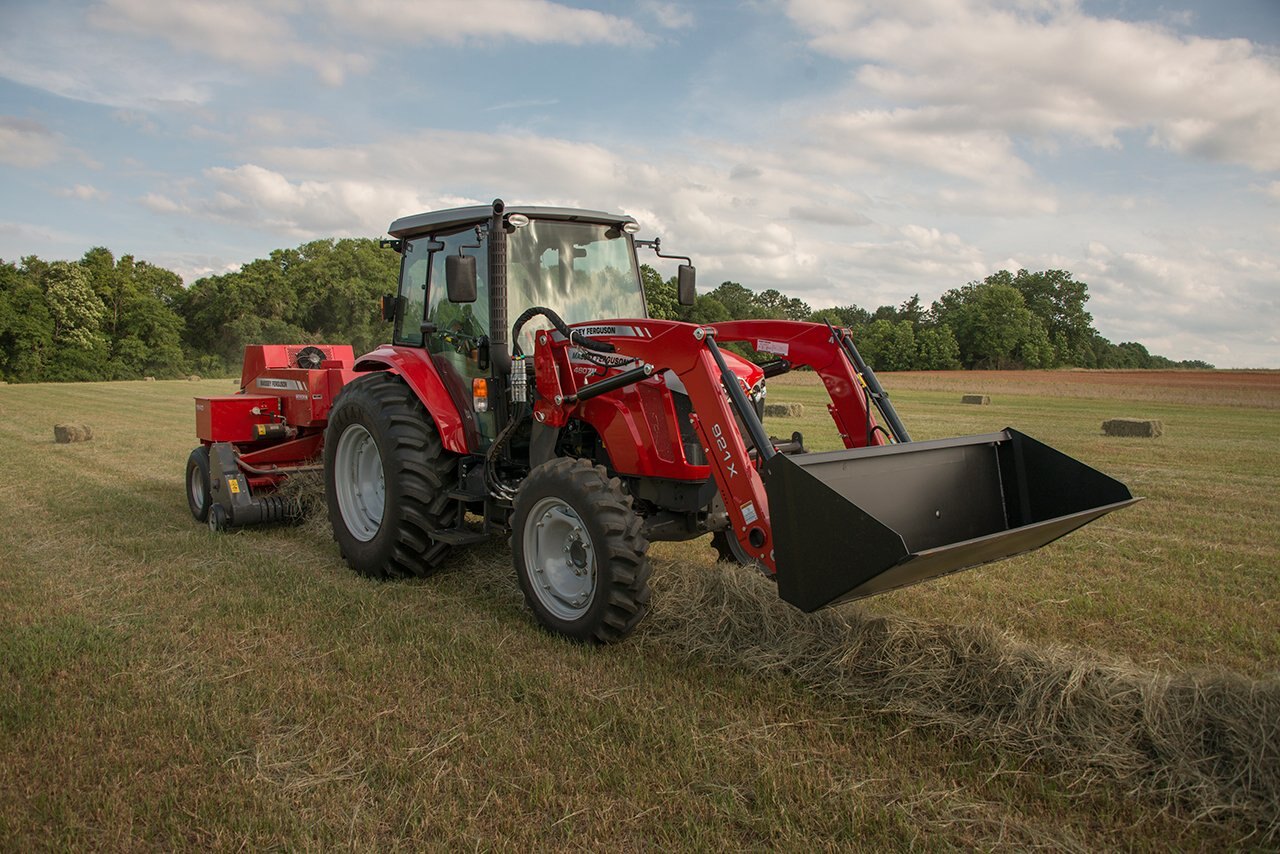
<point>842,151</point>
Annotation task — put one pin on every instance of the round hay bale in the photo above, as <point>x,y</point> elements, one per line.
<point>148,379</point>
<point>64,434</point>
<point>784,410</point>
<point>195,378</point>
<point>979,399</point>
<point>1142,428</point>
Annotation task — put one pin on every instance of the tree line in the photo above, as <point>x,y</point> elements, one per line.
<point>1006,321</point>
<point>109,318</point>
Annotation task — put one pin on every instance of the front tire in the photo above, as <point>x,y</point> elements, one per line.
<point>578,552</point>
<point>387,478</point>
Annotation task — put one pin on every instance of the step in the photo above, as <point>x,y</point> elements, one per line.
<point>459,536</point>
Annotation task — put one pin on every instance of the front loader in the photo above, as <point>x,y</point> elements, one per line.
<point>526,392</point>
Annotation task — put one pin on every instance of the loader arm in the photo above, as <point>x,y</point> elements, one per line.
<point>691,352</point>
<point>815,346</point>
<point>842,525</point>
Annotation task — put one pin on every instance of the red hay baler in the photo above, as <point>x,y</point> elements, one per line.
<point>508,402</point>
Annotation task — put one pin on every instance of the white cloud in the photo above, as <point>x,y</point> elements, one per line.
<point>671,16</point>
<point>246,33</point>
<point>456,21</point>
<point>84,192</point>
<point>1050,69</point>
<point>50,48</point>
<point>762,227</point>
<point>28,144</point>
<point>251,193</point>
<point>1186,302</point>
<point>161,204</point>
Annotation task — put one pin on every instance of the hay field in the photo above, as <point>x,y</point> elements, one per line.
<point>164,687</point>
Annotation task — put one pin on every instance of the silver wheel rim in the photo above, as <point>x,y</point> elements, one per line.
<point>195,485</point>
<point>358,482</point>
<point>560,559</point>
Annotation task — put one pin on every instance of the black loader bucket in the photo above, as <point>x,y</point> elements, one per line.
<point>854,523</point>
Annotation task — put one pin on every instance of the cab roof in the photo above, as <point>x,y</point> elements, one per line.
<point>435,221</point>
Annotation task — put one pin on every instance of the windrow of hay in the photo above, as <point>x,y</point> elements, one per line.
<point>1204,742</point>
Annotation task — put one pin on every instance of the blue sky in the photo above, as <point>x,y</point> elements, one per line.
<point>840,151</point>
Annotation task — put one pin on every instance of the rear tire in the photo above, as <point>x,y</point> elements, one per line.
<point>387,478</point>
<point>199,486</point>
<point>578,552</point>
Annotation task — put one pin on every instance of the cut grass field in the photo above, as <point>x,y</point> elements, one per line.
<point>161,686</point>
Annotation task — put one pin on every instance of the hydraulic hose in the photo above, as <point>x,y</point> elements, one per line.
<point>560,326</point>
<point>496,487</point>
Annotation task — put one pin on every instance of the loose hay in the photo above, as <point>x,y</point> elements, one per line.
<point>1148,429</point>
<point>64,434</point>
<point>979,399</point>
<point>195,378</point>
<point>1207,742</point>
<point>305,490</point>
<point>784,410</point>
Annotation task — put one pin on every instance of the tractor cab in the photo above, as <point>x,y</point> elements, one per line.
<point>580,264</point>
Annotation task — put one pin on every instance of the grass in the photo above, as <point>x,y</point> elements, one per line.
<point>162,687</point>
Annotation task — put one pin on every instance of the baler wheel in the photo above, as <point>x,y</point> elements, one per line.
<point>387,478</point>
<point>199,487</point>
<point>218,520</point>
<point>578,551</point>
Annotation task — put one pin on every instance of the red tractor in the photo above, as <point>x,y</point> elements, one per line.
<point>526,391</point>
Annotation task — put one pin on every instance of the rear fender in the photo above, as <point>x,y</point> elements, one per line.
<point>414,366</point>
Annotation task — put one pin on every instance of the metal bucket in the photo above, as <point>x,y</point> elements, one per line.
<point>854,523</point>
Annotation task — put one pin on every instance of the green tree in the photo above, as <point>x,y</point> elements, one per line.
<point>889,346</point>
<point>937,349</point>
<point>142,329</point>
<point>740,302</point>
<point>659,296</point>
<point>1058,300</point>
<point>991,323</point>
<point>848,316</point>
<point>325,291</point>
<point>914,312</point>
<point>706,309</point>
<point>76,310</point>
<point>26,327</point>
<point>779,306</point>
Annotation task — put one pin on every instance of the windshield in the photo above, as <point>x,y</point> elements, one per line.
<point>583,271</point>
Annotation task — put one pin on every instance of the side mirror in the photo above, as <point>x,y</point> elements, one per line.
<point>685,291</point>
<point>389,304</point>
<point>460,277</point>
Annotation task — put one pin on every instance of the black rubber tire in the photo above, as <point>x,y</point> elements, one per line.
<point>724,552</point>
<point>198,474</point>
<point>417,475</point>
<point>620,596</point>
